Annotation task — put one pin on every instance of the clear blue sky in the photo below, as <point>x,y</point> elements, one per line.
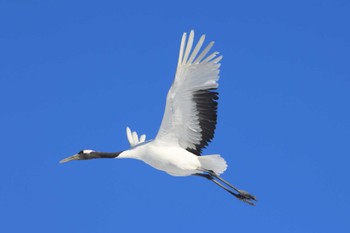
<point>74,74</point>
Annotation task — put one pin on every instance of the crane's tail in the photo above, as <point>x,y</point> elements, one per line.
<point>213,163</point>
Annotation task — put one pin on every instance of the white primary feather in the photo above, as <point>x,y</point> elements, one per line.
<point>133,137</point>
<point>142,138</point>
<point>129,136</point>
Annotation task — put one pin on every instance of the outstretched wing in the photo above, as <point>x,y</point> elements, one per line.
<point>191,108</point>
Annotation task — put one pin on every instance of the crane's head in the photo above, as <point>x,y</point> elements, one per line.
<point>91,154</point>
<point>82,155</point>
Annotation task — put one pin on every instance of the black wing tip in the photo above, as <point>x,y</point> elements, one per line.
<point>206,105</point>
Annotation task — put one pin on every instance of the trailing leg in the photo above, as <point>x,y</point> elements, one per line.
<point>241,195</point>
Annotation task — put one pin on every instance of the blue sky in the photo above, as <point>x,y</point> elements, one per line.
<point>74,74</point>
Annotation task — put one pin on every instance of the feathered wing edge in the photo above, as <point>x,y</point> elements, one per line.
<point>185,50</point>
<point>206,99</point>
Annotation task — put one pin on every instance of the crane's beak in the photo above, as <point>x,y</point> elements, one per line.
<point>74,157</point>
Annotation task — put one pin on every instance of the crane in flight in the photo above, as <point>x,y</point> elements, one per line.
<point>188,123</point>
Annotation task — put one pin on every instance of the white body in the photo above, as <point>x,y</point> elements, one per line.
<point>174,160</point>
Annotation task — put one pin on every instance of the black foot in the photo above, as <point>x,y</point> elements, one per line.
<point>246,197</point>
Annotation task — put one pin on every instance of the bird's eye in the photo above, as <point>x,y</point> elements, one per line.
<point>81,152</point>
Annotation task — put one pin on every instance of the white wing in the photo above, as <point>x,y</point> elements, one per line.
<point>133,138</point>
<point>191,108</point>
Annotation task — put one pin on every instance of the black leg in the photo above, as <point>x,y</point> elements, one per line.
<point>241,195</point>
<point>211,178</point>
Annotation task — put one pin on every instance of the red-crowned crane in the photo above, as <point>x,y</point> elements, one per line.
<point>188,123</point>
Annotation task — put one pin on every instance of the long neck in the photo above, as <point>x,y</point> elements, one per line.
<point>99,155</point>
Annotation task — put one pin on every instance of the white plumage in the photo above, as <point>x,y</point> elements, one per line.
<point>188,123</point>
<point>133,138</point>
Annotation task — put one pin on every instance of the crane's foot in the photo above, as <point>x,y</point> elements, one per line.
<point>246,197</point>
